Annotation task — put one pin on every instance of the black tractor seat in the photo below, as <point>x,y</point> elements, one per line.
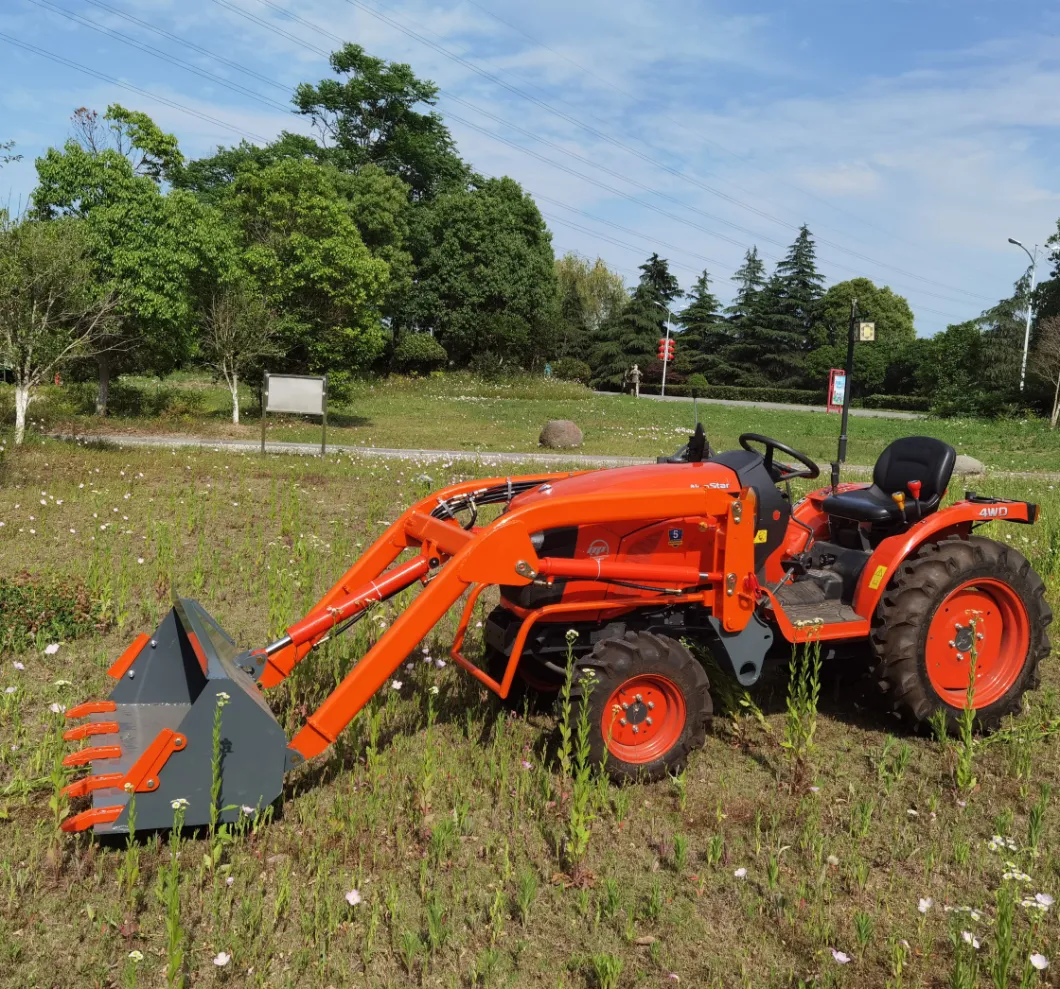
<point>912,458</point>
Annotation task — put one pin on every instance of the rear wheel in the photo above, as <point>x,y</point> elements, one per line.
<point>649,704</point>
<point>952,596</point>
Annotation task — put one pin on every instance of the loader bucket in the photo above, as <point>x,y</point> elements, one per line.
<point>154,734</point>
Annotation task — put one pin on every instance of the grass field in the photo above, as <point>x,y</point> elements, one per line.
<point>456,412</point>
<point>446,815</point>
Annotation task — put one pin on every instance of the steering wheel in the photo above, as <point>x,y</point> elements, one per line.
<point>780,472</point>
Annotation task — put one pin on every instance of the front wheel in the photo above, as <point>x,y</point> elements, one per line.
<point>649,704</point>
<point>953,597</point>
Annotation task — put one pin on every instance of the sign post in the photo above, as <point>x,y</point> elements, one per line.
<point>867,333</point>
<point>301,394</point>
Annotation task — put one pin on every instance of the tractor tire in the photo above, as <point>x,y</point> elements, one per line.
<point>923,631</point>
<point>654,685</point>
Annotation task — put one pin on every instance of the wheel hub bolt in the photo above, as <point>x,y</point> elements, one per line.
<point>647,721</point>
<point>651,705</point>
<point>639,699</point>
<point>623,722</point>
<point>636,730</point>
<point>625,707</point>
<point>960,656</point>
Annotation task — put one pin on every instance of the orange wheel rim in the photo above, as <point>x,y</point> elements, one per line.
<point>643,718</point>
<point>989,615</point>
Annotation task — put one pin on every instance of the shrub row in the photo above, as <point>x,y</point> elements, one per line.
<point>788,396</point>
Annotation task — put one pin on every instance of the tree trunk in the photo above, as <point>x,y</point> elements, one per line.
<point>22,399</point>
<point>1056,403</point>
<point>233,384</point>
<point>103,395</point>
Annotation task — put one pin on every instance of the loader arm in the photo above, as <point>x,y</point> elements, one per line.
<point>276,661</point>
<point>501,553</point>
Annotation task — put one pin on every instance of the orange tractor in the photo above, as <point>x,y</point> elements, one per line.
<point>702,546</point>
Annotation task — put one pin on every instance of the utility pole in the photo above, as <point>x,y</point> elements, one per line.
<point>1030,309</point>
<point>664,350</point>
<point>841,453</point>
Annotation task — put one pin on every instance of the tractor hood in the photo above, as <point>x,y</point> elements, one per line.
<point>660,478</point>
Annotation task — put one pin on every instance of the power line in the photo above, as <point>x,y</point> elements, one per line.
<point>554,201</point>
<point>211,76</point>
<point>132,89</point>
<point>165,56</point>
<point>742,245</point>
<point>188,44</point>
<point>683,126</point>
<point>619,144</point>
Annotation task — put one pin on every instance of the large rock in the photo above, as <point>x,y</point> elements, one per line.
<point>965,466</point>
<point>560,434</point>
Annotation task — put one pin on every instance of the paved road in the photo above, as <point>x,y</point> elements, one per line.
<point>781,406</point>
<point>473,456</point>
<point>391,453</point>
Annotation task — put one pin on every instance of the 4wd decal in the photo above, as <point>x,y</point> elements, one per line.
<point>993,512</point>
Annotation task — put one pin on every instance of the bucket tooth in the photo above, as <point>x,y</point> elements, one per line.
<point>92,818</point>
<point>92,707</point>
<point>88,784</point>
<point>122,664</point>
<point>91,728</point>
<point>84,756</point>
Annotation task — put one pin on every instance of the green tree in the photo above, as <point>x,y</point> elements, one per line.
<point>52,309</point>
<point>485,275</point>
<point>300,242</point>
<point>880,366</point>
<point>706,334</point>
<point>210,178</point>
<point>380,207</point>
<point>238,332</point>
<point>159,254</point>
<point>759,353</point>
<point>370,115</point>
<point>797,289</point>
<point>632,335</point>
<point>750,278</point>
<point>590,293</point>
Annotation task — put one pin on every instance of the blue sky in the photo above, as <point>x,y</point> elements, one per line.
<point>912,136</point>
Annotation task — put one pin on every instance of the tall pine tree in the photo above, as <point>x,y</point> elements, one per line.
<point>799,288</point>
<point>706,333</point>
<point>632,335</point>
<point>749,278</point>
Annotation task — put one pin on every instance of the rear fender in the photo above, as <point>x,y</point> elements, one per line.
<point>958,519</point>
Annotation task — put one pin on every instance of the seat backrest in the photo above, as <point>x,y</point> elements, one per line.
<point>915,458</point>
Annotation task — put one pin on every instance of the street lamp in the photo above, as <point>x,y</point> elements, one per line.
<point>666,346</point>
<point>1030,304</point>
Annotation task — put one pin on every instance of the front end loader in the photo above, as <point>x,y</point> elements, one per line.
<point>620,569</point>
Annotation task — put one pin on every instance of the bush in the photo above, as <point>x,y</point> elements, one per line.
<point>899,403</point>
<point>697,385</point>
<point>419,353</point>
<point>45,608</point>
<point>572,369</point>
<point>788,396</point>
<point>490,366</point>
